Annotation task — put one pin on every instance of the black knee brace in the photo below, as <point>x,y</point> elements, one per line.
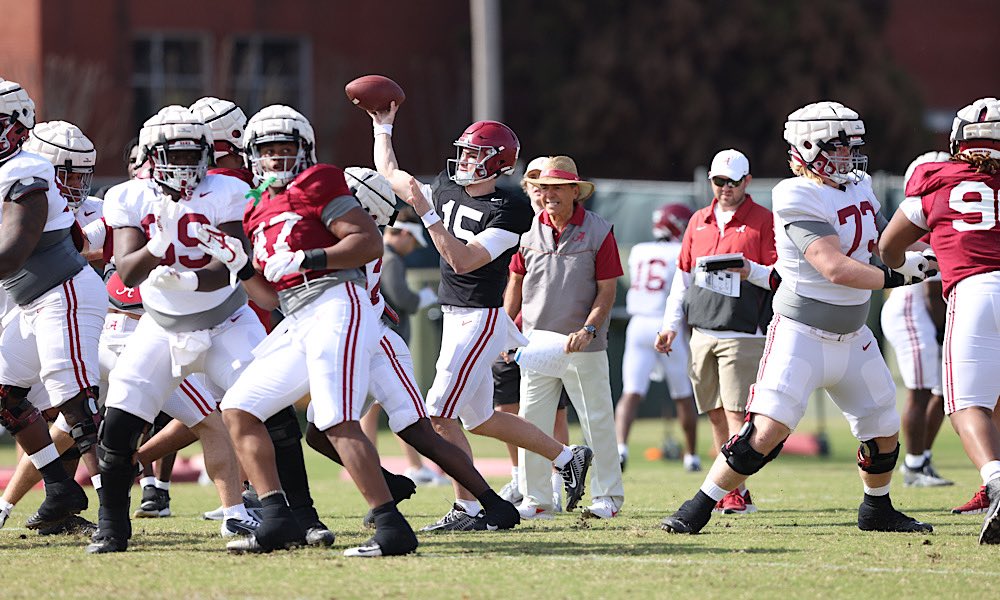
<point>872,461</point>
<point>159,423</point>
<point>83,417</point>
<point>16,412</point>
<point>284,428</point>
<point>120,433</point>
<point>72,453</point>
<point>741,456</point>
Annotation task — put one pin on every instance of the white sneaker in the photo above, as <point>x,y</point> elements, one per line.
<point>530,510</point>
<point>4,514</point>
<point>510,493</point>
<point>214,515</point>
<point>425,476</point>
<point>604,507</point>
<point>692,463</point>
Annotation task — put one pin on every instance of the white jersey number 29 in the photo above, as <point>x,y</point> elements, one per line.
<point>454,221</point>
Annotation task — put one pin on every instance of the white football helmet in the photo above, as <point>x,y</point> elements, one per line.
<point>926,157</point>
<point>976,128</point>
<point>175,128</point>
<point>814,133</point>
<point>70,152</point>
<point>227,122</point>
<point>374,192</point>
<point>279,123</point>
<point>17,117</point>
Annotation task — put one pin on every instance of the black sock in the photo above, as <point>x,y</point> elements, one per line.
<point>703,501</point>
<point>54,472</point>
<point>386,515</point>
<point>489,498</point>
<point>878,501</point>
<point>294,481</point>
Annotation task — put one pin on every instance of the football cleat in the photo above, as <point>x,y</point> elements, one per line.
<point>372,548</point>
<point>602,508</point>
<point>735,503</point>
<point>887,518</point>
<point>155,503</point>
<point>5,514</point>
<point>510,493</point>
<point>689,518</point>
<point>425,476</point>
<point>62,500</point>
<point>925,476</point>
<point>401,488</point>
<point>530,511</point>
<point>990,533</point>
<point>457,519</point>
<point>574,475</point>
<point>72,526</point>
<point>979,504</point>
<point>503,515</point>
<point>692,463</point>
<point>214,515</point>
<point>234,526</point>
<point>105,543</point>
<point>319,535</point>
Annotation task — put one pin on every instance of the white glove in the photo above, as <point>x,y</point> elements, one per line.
<point>427,298</point>
<point>918,266</point>
<point>283,263</point>
<point>164,230</point>
<point>214,242</point>
<point>168,278</point>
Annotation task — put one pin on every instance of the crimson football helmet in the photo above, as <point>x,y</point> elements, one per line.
<point>17,117</point>
<point>70,152</point>
<point>815,132</point>
<point>670,221</point>
<point>976,128</point>
<point>486,149</point>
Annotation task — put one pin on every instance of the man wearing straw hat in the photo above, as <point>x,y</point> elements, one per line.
<point>563,279</point>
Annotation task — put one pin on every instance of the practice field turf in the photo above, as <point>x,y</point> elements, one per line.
<point>803,543</point>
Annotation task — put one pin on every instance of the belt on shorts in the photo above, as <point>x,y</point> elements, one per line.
<point>127,314</point>
<point>816,331</point>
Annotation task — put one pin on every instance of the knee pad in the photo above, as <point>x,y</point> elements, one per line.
<point>872,461</point>
<point>73,453</point>
<point>120,433</point>
<point>284,428</point>
<point>161,421</point>
<point>741,456</point>
<point>83,417</point>
<point>16,412</point>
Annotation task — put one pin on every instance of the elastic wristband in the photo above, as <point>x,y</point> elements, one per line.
<point>382,129</point>
<point>429,218</point>
<point>246,272</point>
<point>315,259</point>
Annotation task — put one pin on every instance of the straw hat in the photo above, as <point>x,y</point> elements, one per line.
<point>558,170</point>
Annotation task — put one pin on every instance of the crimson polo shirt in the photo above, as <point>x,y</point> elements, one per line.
<point>751,231</point>
<point>608,264</point>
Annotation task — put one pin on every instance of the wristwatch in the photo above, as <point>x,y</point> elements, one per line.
<point>592,330</point>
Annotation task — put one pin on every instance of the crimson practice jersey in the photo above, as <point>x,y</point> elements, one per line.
<point>465,216</point>
<point>298,219</point>
<point>959,207</point>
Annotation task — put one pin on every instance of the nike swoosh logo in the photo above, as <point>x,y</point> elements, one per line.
<point>700,227</point>
<point>203,194</point>
<point>87,214</point>
<point>464,323</point>
<point>233,320</point>
<point>865,347</point>
<point>573,475</point>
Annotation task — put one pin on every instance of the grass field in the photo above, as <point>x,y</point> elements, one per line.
<point>802,544</point>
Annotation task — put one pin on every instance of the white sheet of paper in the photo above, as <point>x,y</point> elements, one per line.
<point>720,282</point>
<point>545,353</point>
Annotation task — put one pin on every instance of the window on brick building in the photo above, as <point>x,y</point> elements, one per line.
<point>168,68</point>
<point>266,70</point>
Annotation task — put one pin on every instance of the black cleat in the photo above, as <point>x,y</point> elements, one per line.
<point>574,475</point>
<point>281,532</point>
<point>688,519</point>
<point>62,500</point>
<point>393,537</point>
<point>155,503</point>
<point>457,519</point>
<point>887,518</point>
<point>503,515</point>
<point>102,544</point>
<point>990,533</point>
<point>73,525</point>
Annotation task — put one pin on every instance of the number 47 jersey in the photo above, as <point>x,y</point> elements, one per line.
<point>217,199</point>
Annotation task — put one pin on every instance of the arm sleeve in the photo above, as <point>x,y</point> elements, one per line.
<point>913,208</point>
<point>760,275</point>
<point>497,241</point>
<point>803,233</point>
<point>673,314</point>
<point>608,262</point>
<point>337,208</point>
<point>395,289</point>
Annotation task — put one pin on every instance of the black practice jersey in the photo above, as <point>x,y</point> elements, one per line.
<point>465,216</point>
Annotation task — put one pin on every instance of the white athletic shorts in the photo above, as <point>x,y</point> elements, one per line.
<point>907,325</point>
<point>52,340</point>
<point>323,348</point>
<point>972,344</point>
<point>798,359</point>
<point>142,379</point>
<point>641,358</point>
<point>471,340</point>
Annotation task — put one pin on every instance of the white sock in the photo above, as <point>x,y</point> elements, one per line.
<point>879,491</point>
<point>713,491</point>
<point>162,485</point>
<point>623,450</point>
<point>564,457</point>
<point>927,454</point>
<point>7,506</point>
<point>235,512</point>
<point>990,471</point>
<point>471,507</point>
<point>44,456</point>
<point>913,461</point>
<point>96,481</point>
<point>147,481</point>
<point>513,472</point>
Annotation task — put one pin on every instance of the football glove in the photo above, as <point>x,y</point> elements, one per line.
<point>226,249</point>
<point>164,230</point>
<point>283,263</point>
<point>168,278</point>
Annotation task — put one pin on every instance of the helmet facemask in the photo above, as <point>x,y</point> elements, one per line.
<point>834,163</point>
<point>12,135</point>
<point>469,164</point>
<point>180,178</point>
<point>74,195</point>
<point>291,166</point>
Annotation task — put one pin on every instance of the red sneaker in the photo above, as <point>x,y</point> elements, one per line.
<point>719,506</point>
<point>978,505</point>
<point>736,503</point>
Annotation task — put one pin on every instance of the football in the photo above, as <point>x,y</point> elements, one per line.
<point>374,92</point>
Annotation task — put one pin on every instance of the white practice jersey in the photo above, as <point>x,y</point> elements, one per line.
<point>852,214</point>
<point>217,199</point>
<point>651,267</point>
<point>24,167</point>
<point>90,211</point>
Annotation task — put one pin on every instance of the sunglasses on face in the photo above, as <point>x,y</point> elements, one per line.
<point>723,182</point>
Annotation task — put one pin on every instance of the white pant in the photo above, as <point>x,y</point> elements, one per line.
<point>907,325</point>
<point>972,344</point>
<point>53,340</point>
<point>798,359</point>
<point>641,358</point>
<point>142,380</point>
<point>323,348</point>
<point>587,382</point>
<point>471,340</point>
<point>393,384</point>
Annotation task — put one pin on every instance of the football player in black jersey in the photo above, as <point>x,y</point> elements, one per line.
<point>476,228</point>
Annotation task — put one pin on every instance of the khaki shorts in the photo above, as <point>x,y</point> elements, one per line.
<point>723,369</point>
